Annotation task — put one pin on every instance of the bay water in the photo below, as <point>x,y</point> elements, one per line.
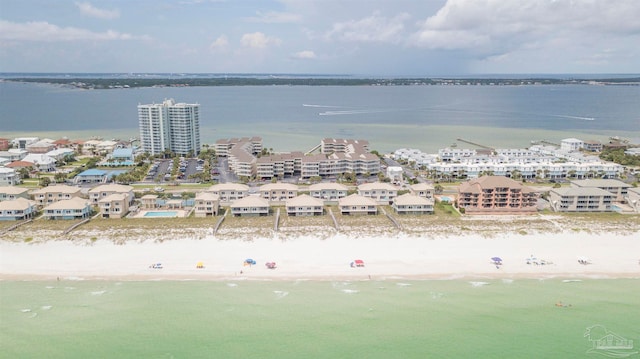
<point>296,117</point>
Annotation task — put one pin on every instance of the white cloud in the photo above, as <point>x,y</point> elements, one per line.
<point>304,55</point>
<point>374,28</point>
<point>505,25</point>
<point>220,43</point>
<point>274,17</point>
<point>258,40</point>
<point>87,9</point>
<point>44,31</point>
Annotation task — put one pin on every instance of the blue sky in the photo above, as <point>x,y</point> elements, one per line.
<point>362,37</point>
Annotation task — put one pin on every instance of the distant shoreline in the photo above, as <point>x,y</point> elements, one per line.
<point>126,82</point>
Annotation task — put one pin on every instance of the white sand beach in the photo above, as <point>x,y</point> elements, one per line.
<point>398,256</point>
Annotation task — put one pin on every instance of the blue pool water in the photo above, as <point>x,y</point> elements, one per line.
<point>161,214</point>
<point>445,199</point>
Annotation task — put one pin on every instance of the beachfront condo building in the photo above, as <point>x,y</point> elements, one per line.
<point>170,126</point>
<point>336,157</point>
<point>496,195</point>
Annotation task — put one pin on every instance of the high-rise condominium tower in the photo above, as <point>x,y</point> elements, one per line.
<point>170,126</point>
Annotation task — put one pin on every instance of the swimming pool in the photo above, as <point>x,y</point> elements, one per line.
<point>157,214</point>
<point>445,199</point>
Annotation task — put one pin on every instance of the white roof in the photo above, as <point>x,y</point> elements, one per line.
<point>377,185</point>
<point>113,197</point>
<point>73,203</point>
<point>408,199</point>
<point>356,200</point>
<point>39,159</point>
<point>60,188</point>
<point>304,200</point>
<point>327,185</point>
<point>251,201</point>
<point>206,196</point>
<point>16,204</point>
<point>278,186</point>
<point>112,187</point>
<point>13,190</point>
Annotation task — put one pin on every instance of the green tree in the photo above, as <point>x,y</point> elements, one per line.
<point>44,181</point>
<point>60,177</point>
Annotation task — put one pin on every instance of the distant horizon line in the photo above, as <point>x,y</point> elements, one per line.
<point>323,75</point>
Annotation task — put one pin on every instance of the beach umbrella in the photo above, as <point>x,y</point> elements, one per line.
<point>496,259</point>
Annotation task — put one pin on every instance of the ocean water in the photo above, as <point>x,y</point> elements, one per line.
<point>297,117</point>
<point>487,318</point>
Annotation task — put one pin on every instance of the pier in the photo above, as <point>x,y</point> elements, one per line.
<point>475,144</point>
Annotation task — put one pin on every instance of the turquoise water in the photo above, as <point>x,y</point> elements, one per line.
<point>317,319</point>
<point>158,214</point>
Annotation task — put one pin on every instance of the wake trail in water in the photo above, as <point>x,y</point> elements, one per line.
<point>322,106</point>
<point>575,117</point>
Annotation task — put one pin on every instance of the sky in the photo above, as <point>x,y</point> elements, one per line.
<point>350,37</point>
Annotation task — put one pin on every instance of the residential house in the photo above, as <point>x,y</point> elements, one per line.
<point>18,165</point>
<point>328,191</point>
<point>250,206</point>
<point>617,188</point>
<point>149,201</point>
<point>412,204</point>
<point>121,157</point>
<point>571,144</point>
<point>8,177</point>
<point>74,208</point>
<point>580,199</point>
<point>278,192</point>
<point>60,153</point>
<point>41,162</point>
<point>105,190</point>
<point>424,190</point>
<point>496,194</point>
<point>229,192</point>
<point>115,205</point>
<point>17,209</point>
<point>55,193</point>
<point>23,142</point>
<point>92,175</point>
<point>592,146</point>
<point>9,193</point>
<point>206,204</point>
<point>4,144</point>
<point>380,192</point>
<point>357,204</point>
<point>40,147</point>
<point>304,205</point>
<point>14,154</point>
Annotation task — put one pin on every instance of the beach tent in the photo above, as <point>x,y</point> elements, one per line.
<point>249,262</point>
